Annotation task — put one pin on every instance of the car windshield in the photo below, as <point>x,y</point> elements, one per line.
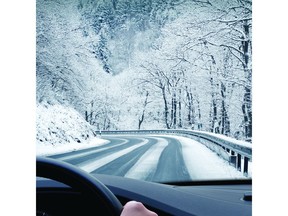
<point>146,89</point>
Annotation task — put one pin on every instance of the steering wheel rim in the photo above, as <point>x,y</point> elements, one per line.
<point>77,178</point>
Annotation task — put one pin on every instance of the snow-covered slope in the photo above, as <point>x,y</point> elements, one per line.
<point>63,128</point>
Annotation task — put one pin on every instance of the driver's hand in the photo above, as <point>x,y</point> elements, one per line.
<point>134,208</point>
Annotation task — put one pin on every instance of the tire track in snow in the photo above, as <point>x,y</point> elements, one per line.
<point>147,164</point>
<point>121,165</point>
<point>171,166</point>
<point>170,158</point>
<point>87,152</point>
<point>203,164</point>
<point>104,153</point>
<point>97,163</point>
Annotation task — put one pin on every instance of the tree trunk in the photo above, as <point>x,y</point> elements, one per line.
<point>166,111</point>
<point>86,116</point>
<point>143,112</point>
<point>199,124</point>
<point>191,110</point>
<point>173,110</point>
<point>247,112</point>
<point>225,123</point>
<point>213,113</point>
<point>179,110</point>
<point>247,100</point>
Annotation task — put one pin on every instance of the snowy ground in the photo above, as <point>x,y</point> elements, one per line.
<point>44,149</point>
<point>58,125</point>
<point>61,129</point>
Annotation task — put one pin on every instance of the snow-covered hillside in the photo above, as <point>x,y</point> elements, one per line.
<point>60,128</point>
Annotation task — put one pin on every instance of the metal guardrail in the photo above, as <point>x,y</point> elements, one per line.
<point>238,154</point>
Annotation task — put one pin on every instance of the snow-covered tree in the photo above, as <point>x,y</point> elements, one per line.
<point>138,64</point>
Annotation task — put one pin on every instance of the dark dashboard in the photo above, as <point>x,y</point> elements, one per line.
<point>190,198</point>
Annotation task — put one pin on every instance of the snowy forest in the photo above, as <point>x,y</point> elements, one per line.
<point>148,64</point>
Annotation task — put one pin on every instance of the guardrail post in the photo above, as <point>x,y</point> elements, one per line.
<point>246,165</point>
<point>238,162</point>
<point>232,160</point>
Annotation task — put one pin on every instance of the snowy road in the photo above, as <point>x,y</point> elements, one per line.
<point>152,158</point>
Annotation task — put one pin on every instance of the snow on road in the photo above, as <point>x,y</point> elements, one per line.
<point>83,154</point>
<point>148,161</point>
<point>201,162</point>
<point>43,149</point>
<point>90,166</point>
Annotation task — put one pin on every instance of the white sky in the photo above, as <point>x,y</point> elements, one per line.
<point>17,110</point>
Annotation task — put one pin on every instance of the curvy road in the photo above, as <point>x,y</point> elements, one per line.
<point>151,158</point>
<point>157,158</point>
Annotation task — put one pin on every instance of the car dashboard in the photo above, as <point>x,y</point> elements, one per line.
<point>186,198</point>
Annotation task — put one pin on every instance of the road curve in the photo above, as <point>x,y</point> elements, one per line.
<point>151,158</point>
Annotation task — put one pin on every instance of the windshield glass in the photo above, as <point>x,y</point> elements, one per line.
<point>152,90</point>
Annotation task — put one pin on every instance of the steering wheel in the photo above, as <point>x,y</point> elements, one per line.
<point>77,178</point>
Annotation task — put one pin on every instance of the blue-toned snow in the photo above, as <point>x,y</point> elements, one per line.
<point>201,162</point>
